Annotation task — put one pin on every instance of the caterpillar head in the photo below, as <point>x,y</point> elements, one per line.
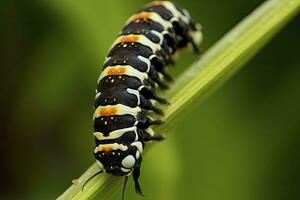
<point>118,159</point>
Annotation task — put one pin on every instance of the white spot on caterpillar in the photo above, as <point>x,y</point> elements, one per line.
<point>128,161</point>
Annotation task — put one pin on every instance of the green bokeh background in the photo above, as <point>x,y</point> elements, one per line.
<point>242,143</point>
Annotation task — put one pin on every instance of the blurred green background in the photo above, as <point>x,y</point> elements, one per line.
<point>242,143</point>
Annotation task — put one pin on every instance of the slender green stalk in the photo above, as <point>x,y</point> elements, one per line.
<point>215,67</point>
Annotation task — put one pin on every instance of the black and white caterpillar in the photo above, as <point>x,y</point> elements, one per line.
<point>134,68</point>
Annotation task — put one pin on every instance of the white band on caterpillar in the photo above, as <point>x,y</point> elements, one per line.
<point>114,134</point>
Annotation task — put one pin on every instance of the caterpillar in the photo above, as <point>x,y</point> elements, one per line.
<point>126,93</point>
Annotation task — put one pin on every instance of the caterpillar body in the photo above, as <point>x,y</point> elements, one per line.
<point>126,91</point>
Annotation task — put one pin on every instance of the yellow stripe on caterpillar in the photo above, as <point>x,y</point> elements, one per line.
<point>115,134</point>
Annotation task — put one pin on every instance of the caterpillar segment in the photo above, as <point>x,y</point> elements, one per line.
<point>132,72</point>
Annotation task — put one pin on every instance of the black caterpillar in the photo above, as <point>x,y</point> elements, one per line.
<point>134,67</point>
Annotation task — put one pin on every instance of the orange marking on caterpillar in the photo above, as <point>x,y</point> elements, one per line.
<point>108,111</point>
<point>142,16</point>
<point>125,39</point>
<point>107,148</point>
<point>116,71</point>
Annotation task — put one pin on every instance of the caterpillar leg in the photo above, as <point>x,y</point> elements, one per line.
<point>159,83</point>
<point>136,175</point>
<point>154,75</point>
<point>157,138</point>
<point>162,85</point>
<point>124,187</point>
<point>167,76</point>
<point>149,93</point>
<point>146,104</point>
<point>147,137</point>
<point>144,121</point>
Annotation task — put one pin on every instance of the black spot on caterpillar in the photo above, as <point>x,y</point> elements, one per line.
<point>134,68</point>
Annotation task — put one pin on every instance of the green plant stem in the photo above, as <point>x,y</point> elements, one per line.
<point>216,66</point>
